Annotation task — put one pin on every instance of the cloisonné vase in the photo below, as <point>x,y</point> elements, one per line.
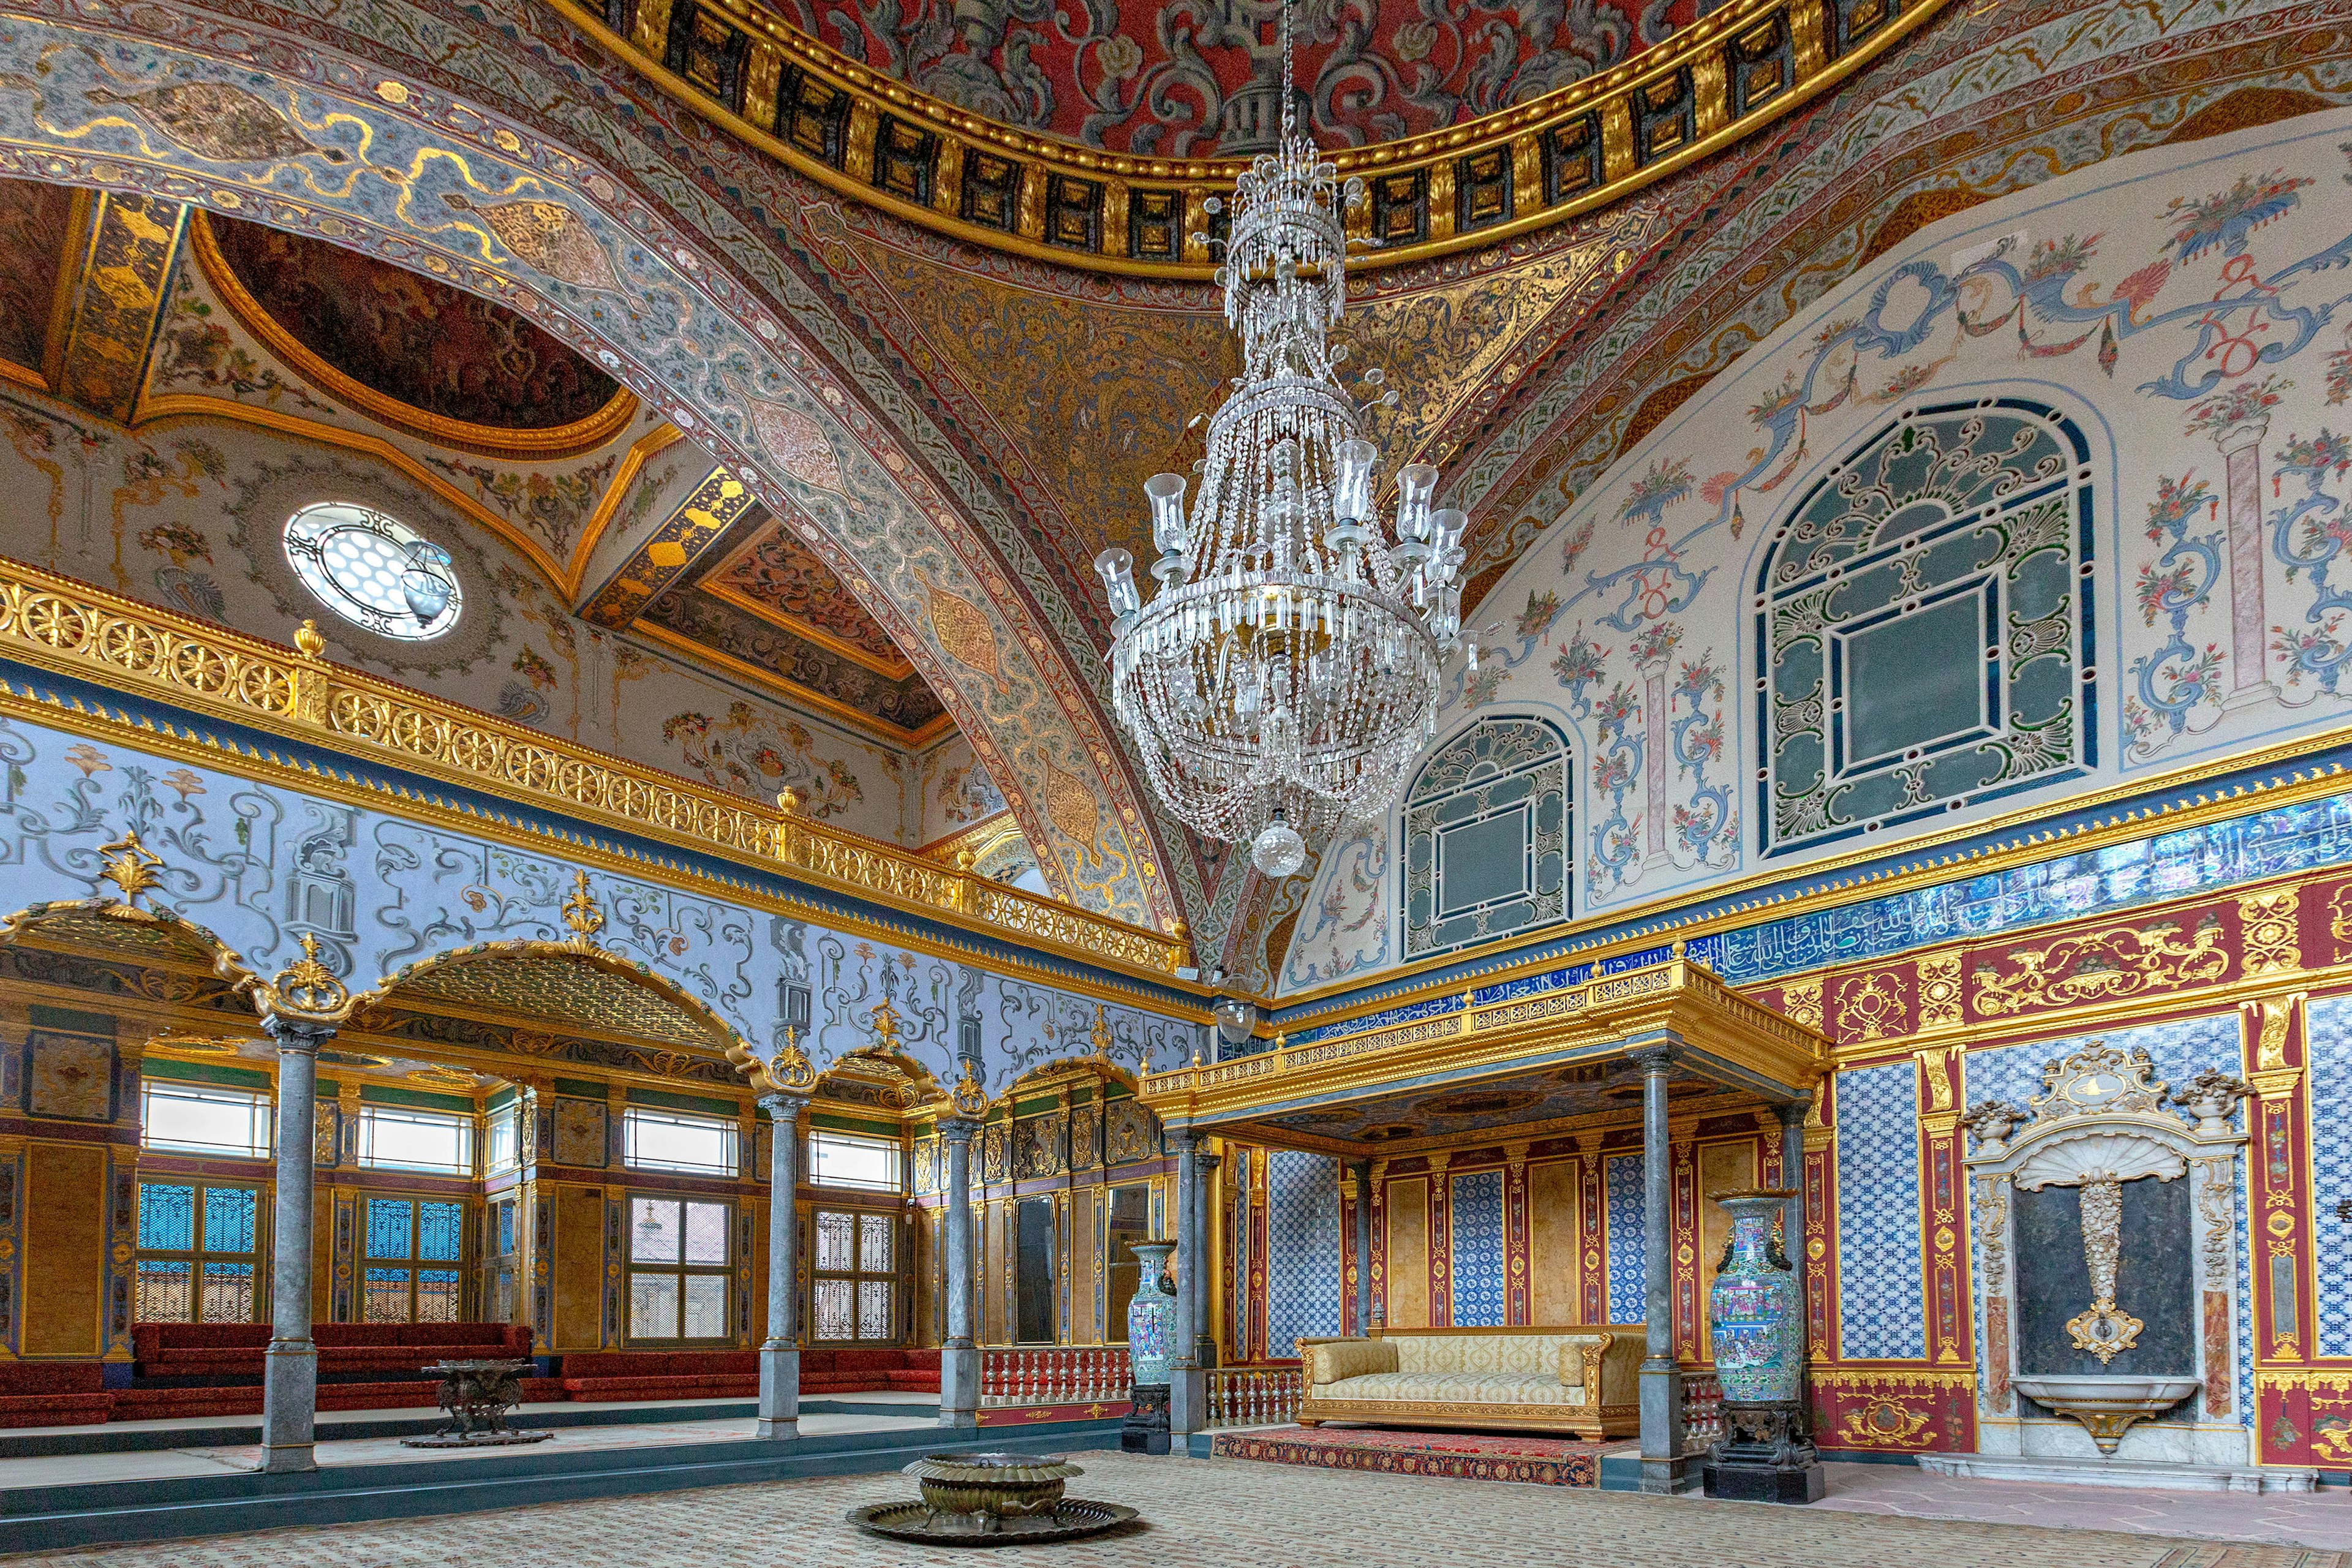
<point>1753,1310</point>
<point>1152,1315</point>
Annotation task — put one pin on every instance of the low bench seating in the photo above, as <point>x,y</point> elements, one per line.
<point>53,1393</point>
<point>606,1376</point>
<point>869,1372</point>
<point>1584,1381</point>
<point>208,1351</point>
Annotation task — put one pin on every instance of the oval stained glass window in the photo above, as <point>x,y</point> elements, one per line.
<point>373,570</point>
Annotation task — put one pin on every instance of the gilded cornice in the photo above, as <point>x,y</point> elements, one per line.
<point>1476,184</point>
<point>1677,999</point>
<point>51,622</point>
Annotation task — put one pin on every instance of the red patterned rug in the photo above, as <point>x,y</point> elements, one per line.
<point>1461,1456</point>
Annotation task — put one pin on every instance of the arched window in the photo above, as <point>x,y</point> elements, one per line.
<point>1486,836</point>
<point>1923,625</point>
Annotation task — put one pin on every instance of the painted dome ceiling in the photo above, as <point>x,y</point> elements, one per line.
<point>413,340</point>
<point>1175,79</point>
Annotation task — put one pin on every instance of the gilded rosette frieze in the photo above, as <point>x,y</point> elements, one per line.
<point>55,623</point>
<point>871,136</point>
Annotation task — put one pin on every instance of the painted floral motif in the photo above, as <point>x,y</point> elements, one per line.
<point>1350,931</point>
<point>2178,682</point>
<point>2239,405</point>
<point>2309,532</point>
<point>750,753</point>
<point>2226,218</point>
<point>194,349</point>
<point>555,506</point>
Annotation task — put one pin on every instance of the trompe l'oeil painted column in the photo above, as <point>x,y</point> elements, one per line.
<point>300,1009</point>
<point>1203,1279</point>
<point>1187,1385</point>
<point>1661,1378</point>
<point>790,1080</point>
<point>960,1358</point>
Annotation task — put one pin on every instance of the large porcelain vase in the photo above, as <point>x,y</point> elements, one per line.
<point>1754,1311</point>
<point>1152,1316</point>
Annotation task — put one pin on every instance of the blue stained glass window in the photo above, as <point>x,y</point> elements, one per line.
<point>506,1229</point>
<point>1487,845</point>
<point>229,1214</point>
<point>388,1233</point>
<point>440,1231</point>
<point>1924,620</point>
<point>167,1217</point>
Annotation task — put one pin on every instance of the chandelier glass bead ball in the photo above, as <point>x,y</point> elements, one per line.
<point>1286,673</point>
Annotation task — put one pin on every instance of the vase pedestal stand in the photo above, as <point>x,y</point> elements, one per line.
<point>1145,1431</point>
<point>1766,1454</point>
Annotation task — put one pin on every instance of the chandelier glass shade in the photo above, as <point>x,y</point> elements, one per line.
<point>1286,673</point>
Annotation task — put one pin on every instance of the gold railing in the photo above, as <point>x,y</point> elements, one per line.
<point>871,136</point>
<point>55,624</point>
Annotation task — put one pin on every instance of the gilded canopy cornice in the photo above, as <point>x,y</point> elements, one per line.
<point>873,137</point>
<point>1722,1034</point>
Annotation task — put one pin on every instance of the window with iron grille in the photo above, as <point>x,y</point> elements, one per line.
<point>410,1274</point>
<point>199,1251</point>
<point>854,1289</point>
<point>678,1269</point>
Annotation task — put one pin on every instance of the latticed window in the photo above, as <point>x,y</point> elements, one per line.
<point>1486,836</point>
<point>410,1274</point>
<point>199,1248</point>
<point>678,1269</point>
<point>854,1291</point>
<point>1923,625</point>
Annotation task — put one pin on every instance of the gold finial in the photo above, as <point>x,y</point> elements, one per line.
<point>788,801</point>
<point>1101,1034</point>
<point>307,641</point>
<point>789,1069</point>
<point>580,912</point>
<point>131,866</point>
<point>885,1026</point>
<point>1281,1040</point>
<point>964,858</point>
<point>307,988</point>
<point>1678,950</point>
<point>968,1099</point>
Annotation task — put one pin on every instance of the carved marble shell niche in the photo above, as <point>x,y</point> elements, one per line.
<point>2100,1124</point>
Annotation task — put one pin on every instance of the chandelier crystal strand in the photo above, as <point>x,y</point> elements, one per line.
<point>1286,672</point>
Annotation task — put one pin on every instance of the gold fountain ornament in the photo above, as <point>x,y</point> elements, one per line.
<point>1286,674</point>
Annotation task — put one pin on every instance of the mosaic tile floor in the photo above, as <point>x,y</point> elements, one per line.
<point>1215,1513</point>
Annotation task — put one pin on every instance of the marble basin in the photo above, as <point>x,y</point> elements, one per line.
<point>2107,1406</point>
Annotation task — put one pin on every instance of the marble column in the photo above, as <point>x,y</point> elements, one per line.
<point>1792,1213</point>
<point>1661,1378</point>
<point>779,1353</point>
<point>1187,1385</point>
<point>289,1392</point>
<point>1363,1169</point>
<point>1205,1277</point>
<point>960,1357</point>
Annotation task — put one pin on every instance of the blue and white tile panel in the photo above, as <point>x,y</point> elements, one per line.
<point>1303,1269</point>
<point>1479,1266</point>
<point>1881,1294</point>
<point>1628,1263</point>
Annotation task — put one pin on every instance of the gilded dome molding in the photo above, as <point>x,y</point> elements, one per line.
<point>874,137</point>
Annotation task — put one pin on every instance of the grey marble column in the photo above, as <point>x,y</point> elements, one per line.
<point>1661,1378</point>
<point>959,1358</point>
<point>1792,1214</point>
<point>289,1392</point>
<point>1187,1385</point>
<point>779,1353</point>
<point>1363,1169</point>
<point>1205,1299</point>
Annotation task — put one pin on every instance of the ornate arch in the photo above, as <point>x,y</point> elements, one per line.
<point>1488,837</point>
<point>708,315</point>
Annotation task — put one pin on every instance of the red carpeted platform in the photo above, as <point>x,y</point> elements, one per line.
<point>1461,1455</point>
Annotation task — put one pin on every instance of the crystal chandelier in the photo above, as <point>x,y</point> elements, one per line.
<point>1285,674</point>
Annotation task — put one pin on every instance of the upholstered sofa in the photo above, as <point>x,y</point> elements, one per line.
<point>1584,1381</point>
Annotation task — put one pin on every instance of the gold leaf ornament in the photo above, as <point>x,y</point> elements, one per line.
<point>797,443</point>
<point>1072,810</point>
<point>547,236</point>
<point>219,122</point>
<point>965,632</point>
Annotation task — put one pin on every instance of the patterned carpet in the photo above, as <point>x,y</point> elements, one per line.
<point>1208,1513</point>
<point>1457,1456</point>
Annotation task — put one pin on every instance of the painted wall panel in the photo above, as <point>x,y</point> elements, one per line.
<point>64,1249</point>
<point>1552,1285</point>
<point>1408,1253</point>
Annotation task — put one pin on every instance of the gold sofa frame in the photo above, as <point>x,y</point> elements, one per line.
<point>1596,1420</point>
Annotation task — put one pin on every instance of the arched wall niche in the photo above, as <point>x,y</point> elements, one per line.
<point>696,317</point>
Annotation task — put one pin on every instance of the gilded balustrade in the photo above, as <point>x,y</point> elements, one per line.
<point>871,136</point>
<point>55,623</point>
